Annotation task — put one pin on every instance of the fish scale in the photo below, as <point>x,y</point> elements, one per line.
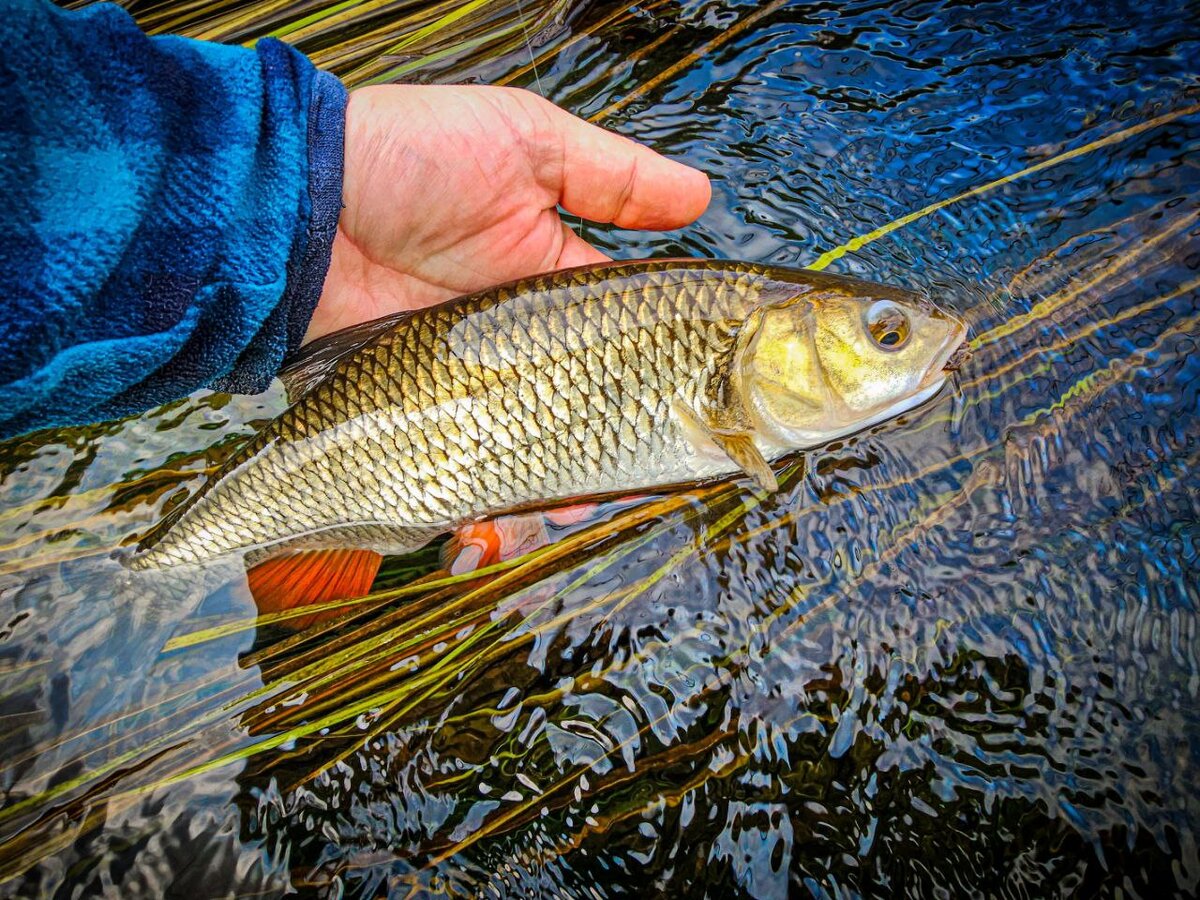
<point>538,391</point>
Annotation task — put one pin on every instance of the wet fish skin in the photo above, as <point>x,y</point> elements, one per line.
<point>594,380</point>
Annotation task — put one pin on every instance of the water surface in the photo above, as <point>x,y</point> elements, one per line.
<point>958,656</point>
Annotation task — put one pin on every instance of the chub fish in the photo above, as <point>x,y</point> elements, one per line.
<point>601,380</point>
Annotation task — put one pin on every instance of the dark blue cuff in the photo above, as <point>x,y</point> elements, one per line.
<point>326,158</point>
<point>308,261</point>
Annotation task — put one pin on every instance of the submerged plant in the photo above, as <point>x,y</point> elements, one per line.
<point>441,655</point>
<point>586,695</point>
<point>370,41</point>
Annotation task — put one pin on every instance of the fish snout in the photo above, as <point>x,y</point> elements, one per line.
<point>958,358</point>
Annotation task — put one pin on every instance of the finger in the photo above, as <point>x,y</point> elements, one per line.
<point>577,252</point>
<point>609,178</point>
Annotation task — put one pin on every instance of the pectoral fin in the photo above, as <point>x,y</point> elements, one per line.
<point>741,449</point>
<point>737,445</point>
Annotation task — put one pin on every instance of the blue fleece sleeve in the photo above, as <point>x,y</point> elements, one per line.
<point>167,210</point>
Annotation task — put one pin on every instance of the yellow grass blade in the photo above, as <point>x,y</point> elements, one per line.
<point>1117,137</point>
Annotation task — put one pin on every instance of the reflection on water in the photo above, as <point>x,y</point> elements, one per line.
<point>958,655</point>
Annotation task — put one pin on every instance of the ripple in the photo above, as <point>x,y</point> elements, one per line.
<point>958,656</point>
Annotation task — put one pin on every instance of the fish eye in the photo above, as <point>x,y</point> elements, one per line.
<point>888,325</point>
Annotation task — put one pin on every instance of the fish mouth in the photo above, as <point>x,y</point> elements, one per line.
<point>954,354</point>
<point>958,356</point>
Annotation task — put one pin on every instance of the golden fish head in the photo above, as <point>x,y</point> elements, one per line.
<point>842,357</point>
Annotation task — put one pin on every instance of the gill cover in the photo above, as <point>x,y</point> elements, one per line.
<point>778,372</point>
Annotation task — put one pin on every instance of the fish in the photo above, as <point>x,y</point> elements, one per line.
<point>600,380</point>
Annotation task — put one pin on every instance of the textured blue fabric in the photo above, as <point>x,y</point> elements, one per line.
<point>168,212</point>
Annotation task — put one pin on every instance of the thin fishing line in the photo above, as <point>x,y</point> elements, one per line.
<point>529,46</point>
<point>537,78</point>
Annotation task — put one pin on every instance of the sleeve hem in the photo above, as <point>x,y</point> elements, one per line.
<point>319,208</point>
<point>326,145</point>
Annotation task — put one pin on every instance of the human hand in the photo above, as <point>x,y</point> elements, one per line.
<point>451,189</point>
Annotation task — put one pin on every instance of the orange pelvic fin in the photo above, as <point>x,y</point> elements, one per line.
<point>578,514</point>
<point>310,577</point>
<point>486,543</point>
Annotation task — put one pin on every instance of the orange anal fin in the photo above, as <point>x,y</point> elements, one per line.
<point>310,577</point>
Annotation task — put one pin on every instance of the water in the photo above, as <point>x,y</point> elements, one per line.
<point>958,657</point>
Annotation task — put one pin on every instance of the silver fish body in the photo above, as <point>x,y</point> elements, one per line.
<point>598,380</point>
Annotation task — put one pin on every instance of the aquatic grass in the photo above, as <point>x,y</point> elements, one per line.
<point>442,675</point>
<point>1131,312</point>
<point>455,677</point>
<point>727,669</point>
<point>358,40</point>
<point>1041,311</point>
<point>41,560</point>
<point>455,12</point>
<point>26,849</point>
<point>332,18</point>
<point>1091,386</point>
<point>527,811</point>
<point>431,36</point>
<point>461,35</point>
<point>292,685</point>
<point>738,757</point>
<point>103,492</point>
<point>9,667</point>
<point>1084,389</point>
<point>273,742</point>
<point>215,694</point>
<point>1042,271</point>
<point>58,532</point>
<point>389,595</point>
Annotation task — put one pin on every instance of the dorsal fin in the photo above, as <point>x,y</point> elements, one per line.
<point>312,363</point>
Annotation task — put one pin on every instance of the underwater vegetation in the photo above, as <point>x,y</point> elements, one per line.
<point>956,654</point>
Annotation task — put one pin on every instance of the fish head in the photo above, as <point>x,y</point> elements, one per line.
<point>838,358</point>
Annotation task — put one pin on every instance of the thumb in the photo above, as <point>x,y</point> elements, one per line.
<point>609,178</point>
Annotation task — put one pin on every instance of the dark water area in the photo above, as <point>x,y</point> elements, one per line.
<point>957,657</point>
